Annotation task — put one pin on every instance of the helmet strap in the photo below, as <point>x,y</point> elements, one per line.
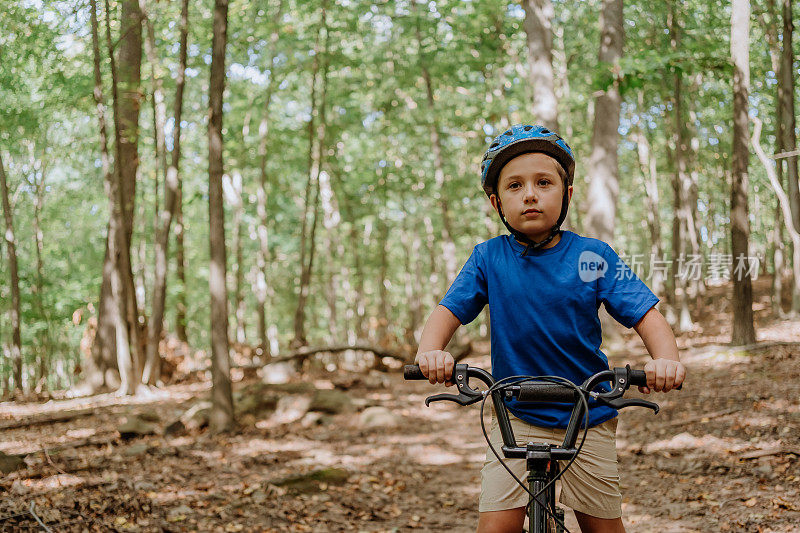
<point>530,244</point>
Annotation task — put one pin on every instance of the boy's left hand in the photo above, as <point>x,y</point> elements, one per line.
<point>663,375</point>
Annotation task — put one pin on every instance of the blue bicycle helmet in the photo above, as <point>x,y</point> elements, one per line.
<point>522,139</point>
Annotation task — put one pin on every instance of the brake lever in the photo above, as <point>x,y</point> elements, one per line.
<point>466,396</point>
<point>621,403</point>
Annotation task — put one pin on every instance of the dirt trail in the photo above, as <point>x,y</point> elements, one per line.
<point>721,456</point>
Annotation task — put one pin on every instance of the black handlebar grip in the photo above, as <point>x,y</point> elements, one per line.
<point>538,391</point>
<point>638,378</point>
<point>413,372</point>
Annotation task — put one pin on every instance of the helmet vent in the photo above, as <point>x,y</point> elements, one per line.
<point>494,145</point>
<point>528,128</point>
<point>546,131</point>
<point>508,132</point>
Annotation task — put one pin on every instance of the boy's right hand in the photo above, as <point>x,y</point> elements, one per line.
<point>437,366</point>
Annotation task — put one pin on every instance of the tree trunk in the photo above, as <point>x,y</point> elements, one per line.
<point>783,201</point>
<point>118,242</point>
<point>600,216</point>
<point>127,162</point>
<point>778,254</point>
<point>770,29</point>
<point>102,362</point>
<point>601,212</point>
<point>332,243</point>
<point>563,89</point>
<point>539,33</point>
<point>649,169</point>
<point>316,140</point>
<point>221,418</point>
<point>11,251</point>
<point>698,284</point>
<point>126,117</point>
<point>152,370</point>
<point>789,141</point>
<point>681,185</point>
<point>180,264</point>
<point>236,200</point>
<point>45,344</point>
<point>743,328</point>
<point>263,259</point>
<point>352,280</point>
<point>383,270</point>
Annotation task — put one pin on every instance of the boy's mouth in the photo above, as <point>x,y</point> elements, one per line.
<point>531,211</point>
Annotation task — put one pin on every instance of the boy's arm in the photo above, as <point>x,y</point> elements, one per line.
<point>665,371</point>
<point>433,361</point>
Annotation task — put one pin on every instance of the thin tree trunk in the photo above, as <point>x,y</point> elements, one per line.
<point>770,29</point>
<point>539,33</point>
<point>699,284</point>
<point>118,242</point>
<point>743,327</point>
<point>355,312</point>
<point>332,243</point>
<point>601,212</point>
<point>101,367</point>
<point>11,251</point>
<point>238,213</point>
<point>383,270</point>
<point>180,263</point>
<point>316,140</point>
<point>45,344</point>
<point>600,216</point>
<point>778,251</point>
<point>649,169</point>
<point>263,259</point>
<point>157,89</point>
<point>221,418</point>
<point>681,184</point>
<point>783,201</point>
<point>430,241</point>
<point>560,53</point>
<point>172,185</point>
<point>789,141</point>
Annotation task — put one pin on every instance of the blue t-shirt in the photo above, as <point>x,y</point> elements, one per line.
<point>543,312</point>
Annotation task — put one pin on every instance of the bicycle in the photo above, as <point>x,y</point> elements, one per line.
<point>541,458</point>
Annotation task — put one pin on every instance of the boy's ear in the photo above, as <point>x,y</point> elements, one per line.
<point>495,202</point>
<point>569,194</point>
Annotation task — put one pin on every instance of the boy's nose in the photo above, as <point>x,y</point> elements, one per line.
<point>530,193</point>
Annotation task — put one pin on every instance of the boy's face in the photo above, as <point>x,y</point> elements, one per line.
<point>529,191</point>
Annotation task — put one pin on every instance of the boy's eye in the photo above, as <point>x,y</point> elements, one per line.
<point>544,182</point>
<point>513,185</point>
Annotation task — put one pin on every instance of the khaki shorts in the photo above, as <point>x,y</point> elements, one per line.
<point>590,486</point>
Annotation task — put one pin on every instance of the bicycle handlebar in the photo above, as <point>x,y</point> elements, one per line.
<point>541,391</point>
<point>531,392</point>
<point>413,372</point>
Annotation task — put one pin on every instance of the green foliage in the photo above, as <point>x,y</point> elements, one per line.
<point>378,143</point>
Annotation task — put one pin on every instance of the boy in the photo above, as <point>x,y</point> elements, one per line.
<point>544,287</point>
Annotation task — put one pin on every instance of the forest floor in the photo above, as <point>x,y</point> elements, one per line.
<point>720,456</point>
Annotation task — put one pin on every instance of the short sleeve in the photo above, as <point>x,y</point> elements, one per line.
<point>625,296</point>
<point>467,296</point>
